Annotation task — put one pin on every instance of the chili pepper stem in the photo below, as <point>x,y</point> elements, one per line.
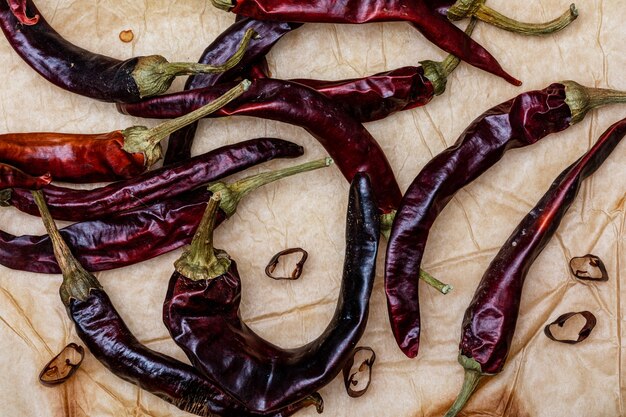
<point>581,99</point>
<point>465,8</point>
<point>314,399</point>
<point>223,4</point>
<point>77,282</point>
<point>5,197</point>
<point>386,222</point>
<point>233,193</point>
<point>154,74</point>
<point>473,375</point>
<point>140,139</point>
<point>438,72</point>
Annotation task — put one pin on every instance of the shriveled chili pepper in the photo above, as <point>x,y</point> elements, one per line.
<point>108,338</point>
<point>13,177</point>
<point>489,321</point>
<point>62,366</point>
<point>153,186</point>
<point>456,10</point>
<point>433,26</point>
<point>131,236</point>
<point>99,157</point>
<point>93,75</point>
<point>583,333</point>
<point>201,311</point>
<point>519,122</point>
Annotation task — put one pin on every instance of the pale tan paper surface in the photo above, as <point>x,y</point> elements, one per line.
<point>542,378</point>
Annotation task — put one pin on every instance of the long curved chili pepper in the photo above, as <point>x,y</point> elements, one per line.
<point>518,122</point>
<point>12,177</point>
<point>153,186</point>
<point>201,311</point>
<point>92,75</point>
<point>135,235</point>
<point>433,26</point>
<point>108,338</point>
<point>489,321</point>
<point>99,157</point>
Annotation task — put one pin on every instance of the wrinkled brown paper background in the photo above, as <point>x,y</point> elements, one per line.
<point>541,378</point>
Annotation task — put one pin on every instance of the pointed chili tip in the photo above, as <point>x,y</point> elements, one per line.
<point>18,8</point>
<point>410,349</point>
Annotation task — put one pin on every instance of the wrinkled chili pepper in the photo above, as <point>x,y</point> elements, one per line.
<point>433,26</point>
<point>153,186</point>
<point>583,333</point>
<point>99,157</point>
<point>588,268</point>
<point>92,75</point>
<point>350,379</point>
<point>297,271</point>
<point>201,311</point>
<point>489,321</point>
<point>456,10</point>
<point>519,122</point>
<point>13,177</point>
<point>135,235</point>
<point>61,367</point>
<point>350,145</point>
<point>108,338</point>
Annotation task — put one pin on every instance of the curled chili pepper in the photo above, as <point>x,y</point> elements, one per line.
<point>588,268</point>
<point>62,366</point>
<point>583,333</point>
<point>100,157</point>
<point>13,177</point>
<point>130,236</point>
<point>108,338</point>
<point>489,321</point>
<point>153,186</point>
<point>201,311</point>
<point>519,122</point>
<point>295,274</point>
<point>92,75</point>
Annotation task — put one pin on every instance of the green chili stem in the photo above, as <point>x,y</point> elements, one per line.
<point>492,17</point>
<point>582,99</point>
<point>77,282</point>
<point>223,4</point>
<point>140,139</point>
<point>471,379</point>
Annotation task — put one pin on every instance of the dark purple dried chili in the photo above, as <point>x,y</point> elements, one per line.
<point>62,366</point>
<point>92,75</point>
<point>108,338</point>
<point>588,268</point>
<point>519,122</point>
<point>201,311</point>
<point>490,320</point>
<point>350,375</point>
<point>583,333</point>
<point>153,186</point>
<point>297,271</point>
<point>130,236</point>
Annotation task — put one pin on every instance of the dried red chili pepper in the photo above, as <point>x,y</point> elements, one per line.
<point>135,235</point>
<point>489,321</point>
<point>201,311</point>
<point>434,27</point>
<point>92,75</point>
<point>456,10</point>
<point>153,186</point>
<point>521,121</point>
<point>13,177</point>
<point>108,338</point>
<point>297,271</point>
<point>99,157</point>
<point>583,333</point>
<point>62,367</point>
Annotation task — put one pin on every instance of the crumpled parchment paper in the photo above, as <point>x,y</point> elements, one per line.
<point>541,378</point>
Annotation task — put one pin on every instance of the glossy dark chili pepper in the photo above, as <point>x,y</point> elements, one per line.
<point>99,157</point>
<point>489,321</point>
<point>108,338</point>
<point>92,75</point>
<point>153,186</point>
<point>433,26</point>
<point>13,177</point>
<point>519,122</point>
<point>128,237</point>
<point>201,311</point>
